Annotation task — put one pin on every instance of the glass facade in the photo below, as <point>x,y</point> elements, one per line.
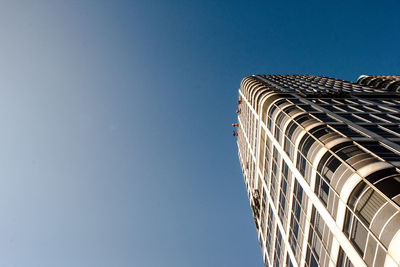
<point>320,159</point>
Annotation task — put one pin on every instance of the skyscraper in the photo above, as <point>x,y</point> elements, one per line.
<point>321,163</point>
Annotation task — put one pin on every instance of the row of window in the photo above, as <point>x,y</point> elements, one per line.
<point>319,242</point>
<point>298,220</point>
<point>356,101</point>
<point>359,108</point>
<point>277,178</point>
<point>308,83</point>
<point>283,194</point>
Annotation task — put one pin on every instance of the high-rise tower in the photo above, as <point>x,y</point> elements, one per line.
<point>321,164</point>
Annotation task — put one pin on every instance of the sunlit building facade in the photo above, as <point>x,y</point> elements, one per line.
<point>321,163</point>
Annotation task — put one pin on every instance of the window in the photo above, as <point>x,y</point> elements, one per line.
<point>322,189</point>
<point>393,128</point>
<point>290,129</point>
<point>306,142</point>
<point>359,236</point>
<point>348,152</point>
<point>295,232</point>
<point>282,202</point>
<point>283,191</point>
<point>318,223</point>
<point>380,131</point>
<point>311,260</point>
<point>389,186</point>
<point>301,163</point>
<point>278,121</point>
<point>289,109</point>
<point>278,248</point>
<point>376,176</point>
<point>269,230</point>
<point>277,133</point>
<point>369,204</point>
<point>288,147</point>
<point>307,108</point>
<point>316,252</point>
<point>352,118</point>
<point>319,131</point>
<point>289,132</point>
<point>330,167</point>
<point>356,232</point>
<point>387,181</point>
<point>270,113</point>
<point>266,164</point>
<point>322,181</point>
<point>273,180</point>
<point>285,169</point>
<point>345,130</point>
<point>302,118</point>
<point>343,260</point>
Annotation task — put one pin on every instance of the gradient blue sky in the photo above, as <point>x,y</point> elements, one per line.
<point>116,146</point>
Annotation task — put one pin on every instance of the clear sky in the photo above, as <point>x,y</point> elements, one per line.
<point>116,138</point>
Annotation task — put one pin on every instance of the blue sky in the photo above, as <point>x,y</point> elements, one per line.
<point>116,146</point>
